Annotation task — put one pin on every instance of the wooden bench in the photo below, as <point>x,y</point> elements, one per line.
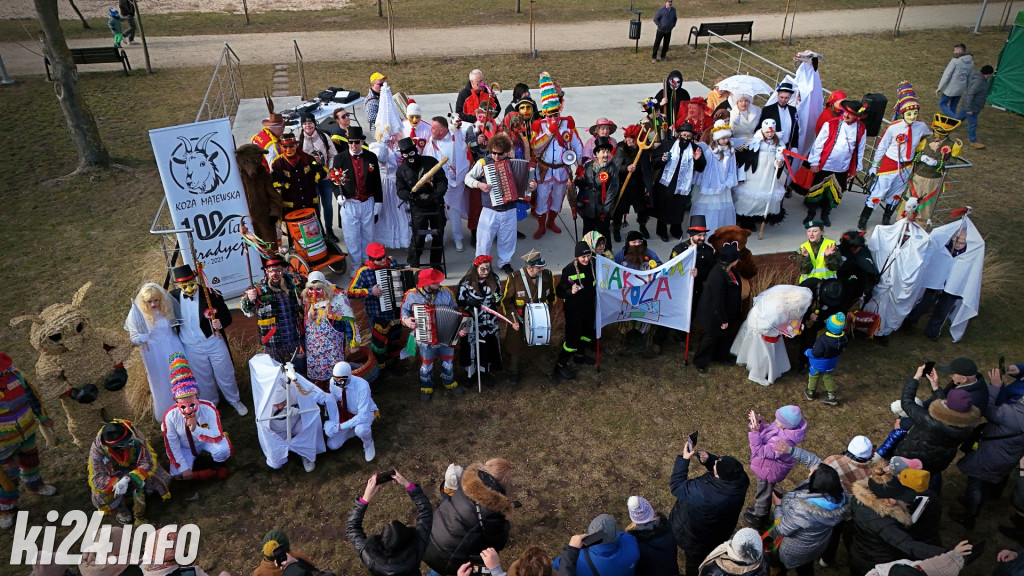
<point>723,29</point>
<point>104,55</point>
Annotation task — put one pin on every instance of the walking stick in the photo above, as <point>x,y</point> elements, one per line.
<point>643,144</point>
<point>476,340</point>
<point>248,262</point>
<point>209,313</point>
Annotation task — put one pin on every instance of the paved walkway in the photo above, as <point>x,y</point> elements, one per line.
<point>188,51</point>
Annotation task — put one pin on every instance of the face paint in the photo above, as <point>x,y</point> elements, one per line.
<point>188,287</point>
<point>274,273</point>
<point>290,148</point>
<point>316,294</point>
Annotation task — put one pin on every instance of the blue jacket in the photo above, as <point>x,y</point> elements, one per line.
<point>618,558</point>
<point>665,19</point>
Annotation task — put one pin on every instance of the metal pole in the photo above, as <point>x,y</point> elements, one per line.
<point>981,14</point>
<point>791,22</point>
<point>4,78</point>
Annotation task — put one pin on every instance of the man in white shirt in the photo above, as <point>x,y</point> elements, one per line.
<point>356,411</point>
<point>837,151</point>
<point>452,145</point>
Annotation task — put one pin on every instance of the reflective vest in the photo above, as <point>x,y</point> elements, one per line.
<point>818,268</point>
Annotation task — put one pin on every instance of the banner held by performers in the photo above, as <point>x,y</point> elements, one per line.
<point>204,193</point>
<point>661,295</point>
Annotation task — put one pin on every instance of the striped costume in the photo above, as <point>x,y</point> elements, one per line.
<point>385,327</point>
<point>139,464</point>
<point>20,415</point>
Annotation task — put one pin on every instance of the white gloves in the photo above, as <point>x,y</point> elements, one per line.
<point>122,485</point>
<point>289,371</point>
<point>376,208</point>
<point>140,339</point>
<point>873,170</point>
<point>929,160</point>
<point>331,429</point>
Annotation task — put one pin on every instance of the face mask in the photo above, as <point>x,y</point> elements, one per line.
<point>188,288</point>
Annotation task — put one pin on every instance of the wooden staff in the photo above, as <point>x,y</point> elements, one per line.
<point>210,312</point>
<point>643,144</point>
<point>430,174</point>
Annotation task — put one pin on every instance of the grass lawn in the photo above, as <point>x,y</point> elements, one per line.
<point>579,449</point>
<point>362,14</point>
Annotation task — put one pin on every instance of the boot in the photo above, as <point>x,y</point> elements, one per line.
<point>644,231</point>
<point>139,507</point>
<point>551,223</point>
<point>563,371</point>
<point>887,215</point>
<point>617,233</point>
<point>811,213</point>
<point>824,216</point>
<point>862,224</point>
<point>581,357</point>
<point>540,227</point>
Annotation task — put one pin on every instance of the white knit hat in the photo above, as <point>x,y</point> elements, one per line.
<point>452,476</point>
<point>640,510</point>
<point>721,130</point>
<point>860,447</point>
<point>413,109</point>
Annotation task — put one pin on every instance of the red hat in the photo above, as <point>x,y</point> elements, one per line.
<point>836,96</point>
<point>428,277</point>
<point>482,260</point>
<point>5,362</point>
<point>375,250</point>
<point>274,261</point>
<point>632,131</point>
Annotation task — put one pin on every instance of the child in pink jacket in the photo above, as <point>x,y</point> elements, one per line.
<point>768,464</point>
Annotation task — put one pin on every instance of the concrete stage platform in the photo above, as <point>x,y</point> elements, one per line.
<point>619,103</point>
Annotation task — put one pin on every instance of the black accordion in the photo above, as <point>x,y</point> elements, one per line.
<point>393,283</point>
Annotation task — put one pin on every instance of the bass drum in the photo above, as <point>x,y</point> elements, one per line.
<point>538,324</point>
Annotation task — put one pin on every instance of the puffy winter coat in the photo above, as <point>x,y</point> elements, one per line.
<point>658,555</point>
<point>380,561</point>
<point>473,519</point>
<point>977,93</point>
<point>617,558</point>
<point>805,523</point>
<point>706,508</point>
<point>880,532</point>
<point>937,432</point>
<point>954,77</point>
<point>1002,442</point>
<point>765,462</point>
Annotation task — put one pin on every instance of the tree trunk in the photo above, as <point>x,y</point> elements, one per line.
<point>85,135</point>
<point>85,23</point>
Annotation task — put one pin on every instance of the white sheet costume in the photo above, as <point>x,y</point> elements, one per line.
<point>760,193</point>
<point>713,197</point>
<point>360,405</point>
<point>294,428</point>
<point>456,200</point>
<point>207,437</point>
<point>965,272</point>
<point>907,268</point>
<point>759,346</point>
<point>392,228</point>
<point>811,101</point>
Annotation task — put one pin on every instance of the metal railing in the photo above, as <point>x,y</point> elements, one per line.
<point>225,89</point>
<point>164,227</point>
<point>301,67</point>
<point>725,58</point>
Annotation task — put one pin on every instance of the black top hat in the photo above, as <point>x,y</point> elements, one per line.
<point>116,435</point>
<point>406,145</point>
<point>685,127</point>
<point>602,142</point>
<point>183,273</point>
<point>356,133</point>
<point>698,223</point>
<point>274,261</point>
<point>785,86</point>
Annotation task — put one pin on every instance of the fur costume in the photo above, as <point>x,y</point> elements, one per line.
<point>73,353</point>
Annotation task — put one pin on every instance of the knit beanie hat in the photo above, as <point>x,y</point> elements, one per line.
<point>582,249</point>
<point>916,480</point>
<point>788,416</point>
<point>906,98</point>
<point>728,468</point>
<point>860,447</point>
<point>640,510</point>
<point>548,95</point>
<point>452,476</point>
<point>746,545</point>
<point>183,382</point>
<point>836,323</point>
<point>413,109</point>
<point>959,400</point>
<point>899,464</point>
<point>605,525</point>
<point>279,538</point>
<point>721,130</point>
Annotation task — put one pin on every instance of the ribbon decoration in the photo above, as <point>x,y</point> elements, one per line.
<point>786,154</point>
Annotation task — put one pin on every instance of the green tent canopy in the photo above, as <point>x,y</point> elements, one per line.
<point>1007,90</point>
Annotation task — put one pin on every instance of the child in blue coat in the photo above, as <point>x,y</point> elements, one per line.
<point>823,358</point>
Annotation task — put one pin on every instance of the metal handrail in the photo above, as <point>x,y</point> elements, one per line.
<point>301,67</point>
<point>233,77</point>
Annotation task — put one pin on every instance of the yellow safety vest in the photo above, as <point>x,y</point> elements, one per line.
<point>818,268</point>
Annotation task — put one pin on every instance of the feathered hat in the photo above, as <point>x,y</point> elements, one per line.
<point>183,382</point>
<point>549,102</point>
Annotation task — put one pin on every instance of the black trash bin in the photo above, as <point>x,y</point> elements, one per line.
<point>634,29</point>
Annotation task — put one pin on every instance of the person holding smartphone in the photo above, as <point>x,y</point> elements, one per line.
<point>398,549</point>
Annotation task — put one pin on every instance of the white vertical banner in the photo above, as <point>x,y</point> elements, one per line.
<point>204,193</point>
<point>662,295</point>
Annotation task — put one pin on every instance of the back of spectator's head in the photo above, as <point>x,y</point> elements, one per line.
<point>860,447</point>
<point>533,562</point>
<point>604,525</point>
<point>825,480</point>
<point>728,468</point>
<point>904,570</point>
<point>640,510</point>
<point>395,536</point>
<point>746,546</point>
<point>986,70</point>
<point>500,469</point>
<point>789,416</point>
<point>959,400</point>
<point>271,540</point>
<point>520,90</point>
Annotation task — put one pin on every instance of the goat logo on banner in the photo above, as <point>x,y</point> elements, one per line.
<point>199,165</point>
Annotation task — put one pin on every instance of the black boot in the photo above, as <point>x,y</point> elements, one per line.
<point>824,216</point>
<point>887,215</point>
<point>643,230</point>
<point>862,224</point>
<point>563,371</point>
<point>811,213</point>
<point>617,233</point>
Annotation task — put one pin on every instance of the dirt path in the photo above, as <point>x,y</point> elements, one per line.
<point>368,44</point>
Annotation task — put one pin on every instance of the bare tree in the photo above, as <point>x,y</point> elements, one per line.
<point>85,23</point>
<point>85,135</point>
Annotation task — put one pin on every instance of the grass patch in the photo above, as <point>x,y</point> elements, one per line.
<point>580,448</point>
<point>362,14</point>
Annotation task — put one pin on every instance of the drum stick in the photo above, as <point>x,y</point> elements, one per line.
<point>430,174</point>
<point>496,314</point>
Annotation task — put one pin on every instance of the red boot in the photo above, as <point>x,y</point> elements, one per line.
<point>540,228</point>
<point>551,223</point>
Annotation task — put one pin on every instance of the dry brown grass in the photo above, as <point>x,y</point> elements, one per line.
<point>579,448</point>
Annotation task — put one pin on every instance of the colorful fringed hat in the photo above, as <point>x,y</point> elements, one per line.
<point>549,102</point>
<point>183,382</point>
<point>906,98</point>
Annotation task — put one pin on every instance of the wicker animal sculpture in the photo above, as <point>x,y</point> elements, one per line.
<point>81,364</point>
